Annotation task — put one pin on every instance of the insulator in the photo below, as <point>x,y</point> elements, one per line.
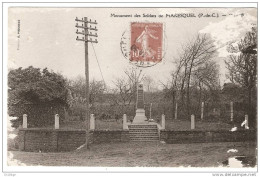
<point>77,37</point>
<point>82,31</point>
<point>77,24</point>
<point>90,32</point>
<point>83,38</point>
<point>82,19</point>
<point>95,27</point>
<point>95,21</point>
<point>90,39</point>
<point>90,26</point>
<point>96,40</point>
<point>82,24</point>
<point>96,34</point>
<point>76,18</point>
<point>90,20</point>
<point>77,30</point>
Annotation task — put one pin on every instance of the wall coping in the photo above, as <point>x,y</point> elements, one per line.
<point>107,130</point>
<point>206,131</point>
<point>121,130</point>
<point>51,130</point>
<point>72,130</point>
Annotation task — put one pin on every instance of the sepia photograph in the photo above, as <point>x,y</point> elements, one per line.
<point>154,87</point>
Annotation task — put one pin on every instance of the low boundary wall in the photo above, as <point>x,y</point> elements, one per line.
<point>50,140</point>
<point>58,140</point>
<point>178,137</point>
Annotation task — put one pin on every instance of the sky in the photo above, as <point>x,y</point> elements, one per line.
<point>47,38</point>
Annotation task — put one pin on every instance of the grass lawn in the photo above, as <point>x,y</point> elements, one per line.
<point>184,125</point>
<point>177,125</point>
<point>100,125</point>
<point>142,154</point>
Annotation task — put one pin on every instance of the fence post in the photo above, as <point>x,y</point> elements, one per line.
<point>231,112</point>
<point>192,122</point>
<point>25,121</point>
<point>246,122</point>
<point>125,122</point>
<point>163,121</point>
<point>176,111</point>
<point>57,123</point>
<point>92,122</point>
<point>202,110</point>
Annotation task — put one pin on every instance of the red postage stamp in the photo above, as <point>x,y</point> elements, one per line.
<point>146,42</point>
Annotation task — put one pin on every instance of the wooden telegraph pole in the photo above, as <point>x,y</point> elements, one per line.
<point>87,33</point>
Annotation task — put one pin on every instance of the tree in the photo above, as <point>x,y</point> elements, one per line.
<point>242,67</point>
<point>194,68</point>
<point>125,86</point>
<point>31,90</point>
<point>77,95</point>
<point>197,53</point>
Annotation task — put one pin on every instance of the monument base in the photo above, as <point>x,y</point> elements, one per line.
<point>140,117</point>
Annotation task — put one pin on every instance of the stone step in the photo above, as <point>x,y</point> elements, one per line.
<point>143,130</point>
<point>143,133</point>
<point>149,133</point>
<point>142,127</point>
<point>143,139</point>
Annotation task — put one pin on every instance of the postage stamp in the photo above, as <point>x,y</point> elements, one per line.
<point>146,42</point>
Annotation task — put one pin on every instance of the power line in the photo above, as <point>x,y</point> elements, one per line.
<point>99,65</point>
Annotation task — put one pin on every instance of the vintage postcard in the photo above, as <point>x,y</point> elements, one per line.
<point>129,87</point>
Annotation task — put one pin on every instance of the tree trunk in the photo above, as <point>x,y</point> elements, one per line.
<point>249,109</point>
<point>188,89</point>
<point>173,102</point>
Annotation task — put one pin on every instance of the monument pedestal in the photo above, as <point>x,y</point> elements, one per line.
<point>140,112</point>
<point>140,117</point>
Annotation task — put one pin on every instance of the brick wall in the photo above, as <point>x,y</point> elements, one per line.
<point>207,137</point>
<point>50,140</point>
<point>105,136</point>
<point>57,140</point>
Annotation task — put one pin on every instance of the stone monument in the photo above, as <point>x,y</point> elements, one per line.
<point>140,112</point>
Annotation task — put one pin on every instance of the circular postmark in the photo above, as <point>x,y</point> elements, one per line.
<point>144,44</point>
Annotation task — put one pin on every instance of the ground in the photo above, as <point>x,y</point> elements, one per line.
<point>171,124</point>
<point>143,154</point>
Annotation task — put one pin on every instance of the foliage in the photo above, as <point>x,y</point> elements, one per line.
<point>30,88</point>
<point>242,63</point>
<point>242,67</point>
<point>77,92</point>
<point>125,87</point>
<point>195,73</point>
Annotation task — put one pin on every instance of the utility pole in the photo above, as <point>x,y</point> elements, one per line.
<point>87,34</point>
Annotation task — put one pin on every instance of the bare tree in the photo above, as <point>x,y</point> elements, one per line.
<point>194,56</point>
<point>125,86</point>
<point>193,67</point>
<point>148,83</point>
<point>199,51</point>
<point>77,89</point>
<point>242,64</point>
